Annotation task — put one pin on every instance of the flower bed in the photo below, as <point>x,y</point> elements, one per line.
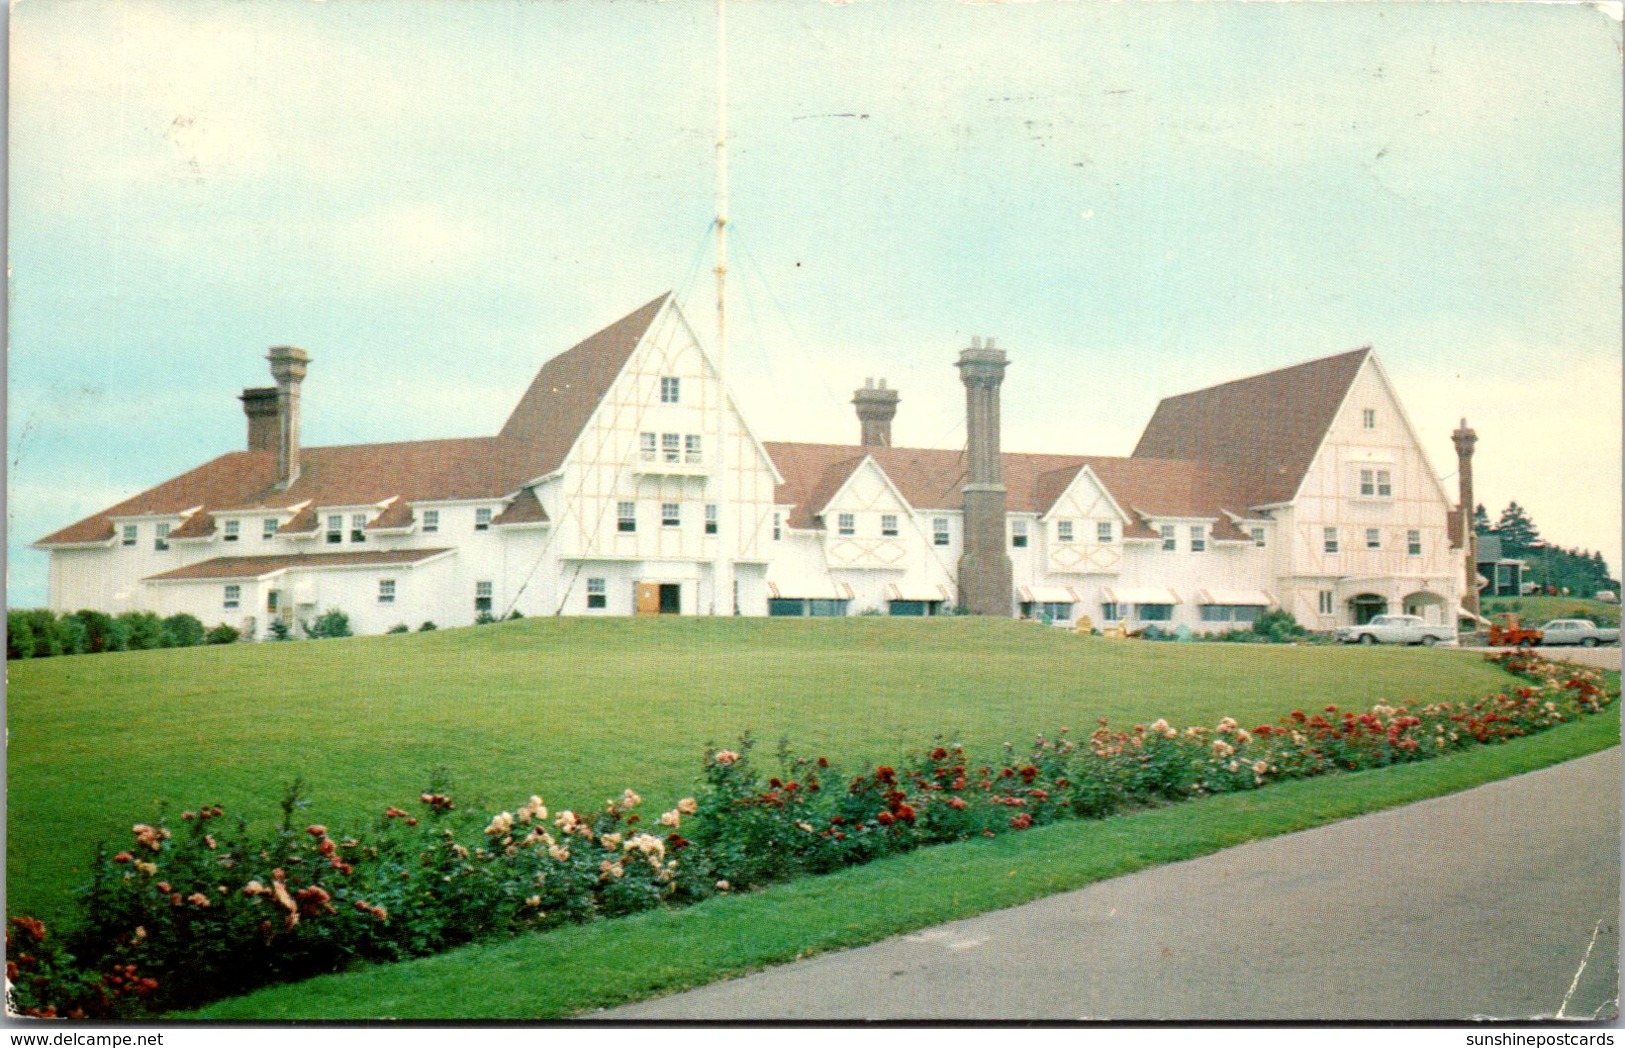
<point>201,909</point>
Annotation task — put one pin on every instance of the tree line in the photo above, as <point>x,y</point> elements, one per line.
<point>37,633</point>
<point>1551,567</point>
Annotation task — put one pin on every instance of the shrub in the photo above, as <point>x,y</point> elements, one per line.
<point>399,627</point>
<point>484,618</point>
<point>222,634</point>
<point>102,631</point>
<point>49,632</point>
<point>427,627</point>
<point>183,631</point>
<point>279,630</point>
<point>20,640</point>
<point>71,635</point>
<point>1279,626</point>
<point>514,615</point>
<point>330,623</point>
<point>144,629</point>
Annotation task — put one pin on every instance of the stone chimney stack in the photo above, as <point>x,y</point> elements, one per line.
<point>261,408</point>
<point>877,406</point>
<point>985,583</point>
<point>288,368</point>
<point>1465,439</point>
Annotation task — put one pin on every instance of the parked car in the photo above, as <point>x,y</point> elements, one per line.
<point>1396,629</point>
<point>1578,631</point>
<point>1608,596</point>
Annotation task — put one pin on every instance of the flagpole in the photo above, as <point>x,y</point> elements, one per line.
<point>722,598</point>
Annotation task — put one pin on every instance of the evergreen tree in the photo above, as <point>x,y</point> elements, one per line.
<point>1518,532</point>
<point>1481,521</point>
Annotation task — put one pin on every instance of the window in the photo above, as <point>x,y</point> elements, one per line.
<point>1329,537</point>
<point>1198,538</point>
<point>888,525</point>
<point>691,448</point>
<point>386,591</point>
<point>268,528</point>
<point>648,447</point>
<point>1018,534</point>
<point>233,530</point>
<point>1243,613</point>
<point>482,519</point>
<point>1385,484</point>
<point>335,529</point>
<point>1368,482</point>
<point>234,597</point>
<point>482,596</point>
<point>939,531</point>
<point>273,598</point>
<point>1103,532</point>
<point>1369,418</point>
<point>1063,531</point>
<point>671,447</point>
<point>1258,537</point>
<point>1373,538</point>
<point>626,516</point>
<point>1413,542</point>
<point>1376,483</point>
<point>711,519</point>
<point>1154,612</point>
<point>846,524</point>
<point>160,537</point>
<point>671,515</point>
<point>1168,541</point>
<point>431,521</point>
<point>131,534</point>
<point>819,609</point>
<point>1325,602</point>
<point>671,390</point>
<point>778,527</point>
<point>597,594</point>
<point>1111,612</point>
<point>358,528</point>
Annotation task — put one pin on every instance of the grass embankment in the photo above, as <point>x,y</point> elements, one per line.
<point>581,968</point>
<point>1536,610</point>
<point>578,709</point>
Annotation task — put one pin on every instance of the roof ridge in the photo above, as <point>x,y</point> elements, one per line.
<point>1272,372</point>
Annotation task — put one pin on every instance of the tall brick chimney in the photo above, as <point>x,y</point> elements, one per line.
<point>877,406</point>
<point>261,408</point>
<point>1465,439</point>
<point>288,368</point>
<point>985,583</point>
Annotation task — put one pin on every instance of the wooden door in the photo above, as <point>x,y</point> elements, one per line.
<point>648,602</point>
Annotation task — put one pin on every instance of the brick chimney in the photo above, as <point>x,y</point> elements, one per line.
<point>288,368</point>
<point>985,583</point>
<point>877,406</point>
<point>260,407</point>
<point>1464,439</point>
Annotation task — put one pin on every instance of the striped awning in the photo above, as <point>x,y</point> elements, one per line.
<point>809,590</point>
<point>1141,595</point>
<point>1252,598</point>
<point>917,591</point>
<point>1048,595</point>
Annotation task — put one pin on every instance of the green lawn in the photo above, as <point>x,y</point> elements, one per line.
<point>577,709</point>
<point>1536,610</point>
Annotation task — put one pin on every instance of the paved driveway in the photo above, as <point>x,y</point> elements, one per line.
<point>1500,901</point>
<point>1602,658</point>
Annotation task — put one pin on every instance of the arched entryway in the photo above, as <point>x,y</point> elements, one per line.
<point>1366,607</point>
<point>1429,607</point>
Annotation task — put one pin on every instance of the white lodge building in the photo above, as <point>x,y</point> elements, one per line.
<point>626,482</point>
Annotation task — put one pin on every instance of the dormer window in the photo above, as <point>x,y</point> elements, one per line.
<point>358,527</point>
<point>335,529</point>
<point>1198,538</point>
<point>268,527</point>
<point>1258,537</point>
<point>1169,543</point>
<point>1018,534</point>
<point>939,531</point>
<point>671,389</point>
<point>233,531</point>
<point>431,521</point>
<point>131,534</point>
<point>160,537</point>
<point>482,519</point>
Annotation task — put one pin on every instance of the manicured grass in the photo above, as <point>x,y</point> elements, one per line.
<point>1536,610</point>
<point>578,969</point>
<point>578,709</point>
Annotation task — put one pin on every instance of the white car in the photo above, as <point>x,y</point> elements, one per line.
<point>1397,629</point>
<point>1577,631</point>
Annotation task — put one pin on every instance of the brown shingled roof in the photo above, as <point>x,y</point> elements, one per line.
<point>397,514</point>
<point>526,508</point>
<point>1265,429</point>
<point>254,567</point>
<point>568,389</point>
<point>197,526</point>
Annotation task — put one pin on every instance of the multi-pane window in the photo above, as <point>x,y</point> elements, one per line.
<point>482,596</point>
<point>671,389</point>
<point>1373,538</point>
<point>1198,538</point>
<point>1385,484</point>
<point>233,531</point>
<point>691,448</point>
<point>160,537</point>
<point>1258,537</point>
<point>335,529</point>
<point>131,534</point>
<point>1063,531</point>
<point>386,591</point>
<point>358,528</point>
<point>888,525</point>
<point>1168,540</point>
<point>1376,483</point>
<point>1103,532</point>
<point>671,447</point>
<point>273,600</point>
<point>626,516</point>
<point>1325,602</point>
<point>778,527</point>
<point>939,531</point>
<point>431,521</point>
<point>846,524</point>
<point>268,527</point>
<point>711,518</point>
<point>1018,534</point>
<point>1329,540</point>
<point>1154,612</point>
<point>234,597</point>
<point>482,519</point>
<point>648,447</point>
<point>597,594</point>
<point>1413,542</point>
<point>1369,418</point>
<point>1111,612</point>
<point>671,514</point>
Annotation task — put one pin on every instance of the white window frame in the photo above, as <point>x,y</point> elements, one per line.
<point>1368,483</point>
<point>1325,605</point>
<point>846,524</point>
<point>1018,534</point>
<point>888,525</point>
<point>671,514</point>
<point>711,519</point>
<point>649,447</point>
<point>335,529</point>
<point>233,597</point>
<point>132,534</point>
<point>1198,538</point>
<point>486,592</point>
<point>231,530</point>
<point>1368,418</point>
<point>940,535</point>
<point>1385,484</point>
<point>778,527</point>
<point>1373,538</point>
<point>1170,539</point>
<point>1330,540</point>
<point>626,518</point>
<point>597,595</point>
<point>482,518</point>
<point>1105,534</point>
<point>431,521</point>
<point>1064,532</point>
<point>160,536</point>
<point>268,527</point>
<point>386,591</point>
<point>358,527</point>
<point>692,449</point>
<point>1413,542</point>
<point>671,447</point>
<point>1258,537</point>
<point>671,389</point>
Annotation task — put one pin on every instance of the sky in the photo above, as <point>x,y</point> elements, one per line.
<point>1137,200</point>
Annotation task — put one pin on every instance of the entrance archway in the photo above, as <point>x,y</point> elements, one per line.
<point>1429,607</point>
<point>1367,606</point>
